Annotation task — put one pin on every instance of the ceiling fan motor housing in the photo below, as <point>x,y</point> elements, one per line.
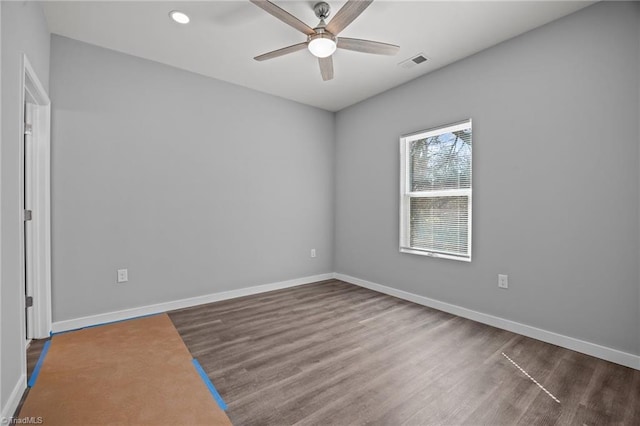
<point>322,10</point>
<point>321,32</point>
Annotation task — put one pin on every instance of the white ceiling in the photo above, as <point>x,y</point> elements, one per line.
<point>224,36</point>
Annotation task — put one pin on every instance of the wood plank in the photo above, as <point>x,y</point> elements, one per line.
<point>334,353</point>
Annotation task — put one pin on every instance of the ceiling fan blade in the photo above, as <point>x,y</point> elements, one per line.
<point>281,52</point>
<point>326,67</point>
<point>350,11</point>
<point>284,16</point>
<point>367,46</point>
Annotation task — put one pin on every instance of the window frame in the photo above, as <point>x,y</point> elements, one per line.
<point>406,195</point>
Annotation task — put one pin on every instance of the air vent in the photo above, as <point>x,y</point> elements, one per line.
<point>419,59</point>
<point>413,61</point>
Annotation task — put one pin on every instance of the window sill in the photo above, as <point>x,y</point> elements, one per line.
<point>435,255</point>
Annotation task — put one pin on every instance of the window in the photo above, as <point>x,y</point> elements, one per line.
<point>435,192</point>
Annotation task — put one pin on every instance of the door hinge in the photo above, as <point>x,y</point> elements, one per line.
<point>28,129</point>
<point>28,214</point>
<point>29,301</point>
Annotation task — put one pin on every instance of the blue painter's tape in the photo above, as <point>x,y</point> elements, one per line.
<point>63,332</point>
<point>36,371</point>
<point>212,388</point>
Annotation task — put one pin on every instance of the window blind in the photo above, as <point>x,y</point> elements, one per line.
<point>436,192</point>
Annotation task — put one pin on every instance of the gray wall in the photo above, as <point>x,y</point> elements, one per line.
<point>195,185</point>
<point>24,30</point>
<point>556,179</point>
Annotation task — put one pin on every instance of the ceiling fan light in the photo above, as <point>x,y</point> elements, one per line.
<point>322,46</point>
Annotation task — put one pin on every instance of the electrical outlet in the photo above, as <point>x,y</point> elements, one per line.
<point>313,253</point>
<point>123,275</point>
<point>503,281</point>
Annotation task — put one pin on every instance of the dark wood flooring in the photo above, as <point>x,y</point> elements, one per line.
<point>33,355</point>
<point>333,353</point>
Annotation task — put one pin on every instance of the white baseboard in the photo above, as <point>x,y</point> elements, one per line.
<point>14,399</point>
<point>76,323</point>
<point>598,351</point>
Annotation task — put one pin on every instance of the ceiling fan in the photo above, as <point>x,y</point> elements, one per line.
<point>322,40</point>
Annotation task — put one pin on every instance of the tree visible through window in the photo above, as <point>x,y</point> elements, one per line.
<point>435,205</point>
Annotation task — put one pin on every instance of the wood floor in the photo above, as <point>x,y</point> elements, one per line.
<point>33,354</point>
<point>333,353</point>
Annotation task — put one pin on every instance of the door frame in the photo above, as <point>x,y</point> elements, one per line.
<point>38,258</point>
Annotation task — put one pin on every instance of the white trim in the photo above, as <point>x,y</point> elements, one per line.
<point>461,192</point>
<point>14,399</point>
<point>434,131</point>
<point>598,351</point>
<point>39,256</point>
<point>28,173</point>
<point>404,200</point>
<point>440,255</point>
<point>73,324</point>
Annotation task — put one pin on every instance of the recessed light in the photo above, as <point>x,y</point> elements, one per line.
<point>179,17</point>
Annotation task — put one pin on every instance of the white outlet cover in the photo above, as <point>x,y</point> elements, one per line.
<point>503,281</point>
<point>123,275</point>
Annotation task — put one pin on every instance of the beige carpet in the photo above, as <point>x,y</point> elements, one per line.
<point>136,372</point>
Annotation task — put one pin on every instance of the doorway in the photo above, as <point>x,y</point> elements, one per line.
<point>27,208</point>
<point>35,208</point>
